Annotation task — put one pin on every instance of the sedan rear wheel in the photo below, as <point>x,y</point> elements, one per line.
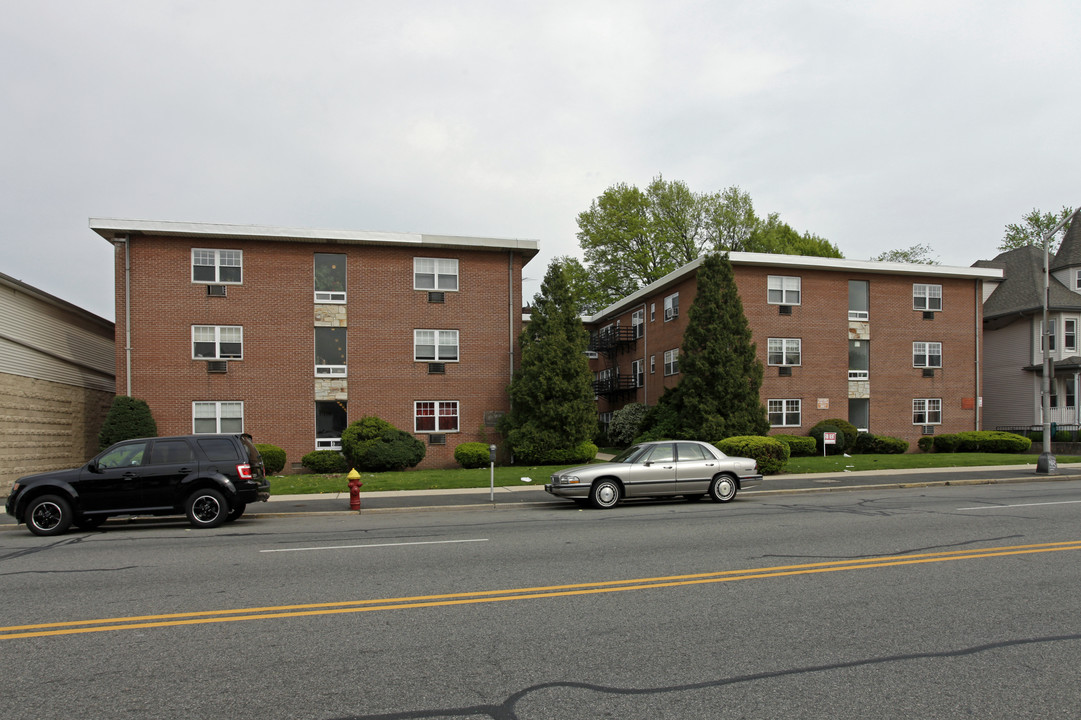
<point>723,488</point>
<point>604,494</point>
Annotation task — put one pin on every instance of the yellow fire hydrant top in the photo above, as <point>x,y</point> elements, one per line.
<point>353,475</point>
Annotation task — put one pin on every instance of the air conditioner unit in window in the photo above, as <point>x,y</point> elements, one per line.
<point>217,366</point>
<point>784,371</point>
<point>784,309</point>
<point>437,368</point>
<point>437,297</point>
<point>668,314</point>
<point>437,439</point>
<point>928,372</point>
<point>591,354</point>
<point>928,429</point>
<point>215,290</point>
<point>928,315</point>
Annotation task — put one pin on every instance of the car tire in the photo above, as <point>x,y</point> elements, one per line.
<point>605,494</point>
<point>236,512</point>
<point>89,522</point>
<point>723,488</point>
<point>206,508</point>
<point>48,515</point>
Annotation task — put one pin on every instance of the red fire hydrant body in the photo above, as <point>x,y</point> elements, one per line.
<point>354,489</point>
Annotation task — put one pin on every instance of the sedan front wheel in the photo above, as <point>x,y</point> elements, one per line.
<point>604,494</point>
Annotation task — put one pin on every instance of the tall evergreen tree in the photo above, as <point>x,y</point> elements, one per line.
<point>127,418</point>
<point>553,417</point>
<point>718,395</point>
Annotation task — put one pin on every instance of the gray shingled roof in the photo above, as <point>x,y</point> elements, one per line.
<point>1069,252</point>
<point>1021,291</point>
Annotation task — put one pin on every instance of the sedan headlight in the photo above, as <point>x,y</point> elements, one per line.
<point>565,480</point>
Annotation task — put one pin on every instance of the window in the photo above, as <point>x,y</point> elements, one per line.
<point>638,323</point>
<point>1050,335</point>
<point>671,307</point>
<point>217,342</point>
<point>927,354</point>
<point>671,362</point>
<point>330,421</point>
<point>329,278</point>
<point>784,413</point>
<point>170,452</point>
<point>652,364</point>
<point>859,413</point>
<point>784,351</point>
<point>782,290</point>
<point>652,312</point>
<point>217,266</point>
<point>435,345</point>
<point>1071,393</point>
<point>926,297</point>
<point>429,416</point>
<point>927,411</point>
<point>330,351</point>
<point>638,373</point>
<point>1077,281</point>
<point>217,417</point>
<point>1069,335</point>
<point>859,359</point>
<point>859,299</point>
<point>435,274</point>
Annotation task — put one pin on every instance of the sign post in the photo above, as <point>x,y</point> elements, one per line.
<point>828,438</point>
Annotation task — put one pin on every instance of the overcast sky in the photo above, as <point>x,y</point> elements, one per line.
<point>876,125</point>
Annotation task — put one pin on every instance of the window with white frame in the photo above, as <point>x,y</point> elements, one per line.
<point>671,307</point>
<point>927,354</point>
<point>784,413</point>
<point>435,274</point>
<point>926,297</point>
<point>1050,335</point>
<point>784,351</point>
<point>638,372</point>
<point>1069,335</point>
<point>671,362</point>
<point>859,300</point>
<point>224,267</point>
<point>435,416</point>
<point>435,345</point>
<point>783,290</point>
<point>329,278</point>
<point>638,323</point>
<point>217,417</point>
<point>330,351</point>
<point>330,421</point>
<point>927,411</point>
<point>217,342</point>
<point>652,312</point>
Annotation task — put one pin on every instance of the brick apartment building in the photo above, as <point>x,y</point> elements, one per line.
<point>290,334</point>
<point>894,348</point>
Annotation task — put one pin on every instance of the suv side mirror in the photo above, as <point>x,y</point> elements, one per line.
<point>93,466</point>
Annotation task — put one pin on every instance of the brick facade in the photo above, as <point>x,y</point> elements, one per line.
<point>275,305</point>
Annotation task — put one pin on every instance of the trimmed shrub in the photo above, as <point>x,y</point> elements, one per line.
<point>843,426</point>
<point>626,422</point>
<point>472,455</point>
<point>868,444</point>
<point>1062,436</point>
<point>580,454</point>
<point>273,458</point>
<point>127,418</point>
<point>770,453</point>
<point>946,443</point>
<point>533,447</point>
<point>993,441</point>
<point>926,443</point>
<point>325,462</point>
<point>799,445</point>
<point>374,445</point>
<point>835,449</point>
<point>1035,436</point>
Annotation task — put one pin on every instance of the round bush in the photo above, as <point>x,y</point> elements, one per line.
<point>127,418</point>
<point>799,445</point>
<point>325,462</point>
<point>626,422</point>
<point>843,426</point>
<point>770,453</point>
<point>926,443</point>
<point>947,443</point>
<point>472,455</point>
<point>838,447</point>
<point>374,445</point>
<point>273,458</point>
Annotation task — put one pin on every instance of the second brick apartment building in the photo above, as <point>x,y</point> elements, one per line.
<point>288,334</point>
<point>894,348</point>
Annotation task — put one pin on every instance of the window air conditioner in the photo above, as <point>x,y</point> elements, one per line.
<point>215,290</point>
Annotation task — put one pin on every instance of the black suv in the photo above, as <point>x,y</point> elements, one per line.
<point>210,478</point>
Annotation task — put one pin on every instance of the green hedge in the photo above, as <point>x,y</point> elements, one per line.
<point>770,453</point>
<point>273,458</point>
<point>841,441</point>
<point>992,441</point>
<point>843,426</point>
<point>926,443</point>
<point>798,445</point>
<point>326,462</point>
<point>472,455</point>
<point>868,444</point>
<point>947,443</point>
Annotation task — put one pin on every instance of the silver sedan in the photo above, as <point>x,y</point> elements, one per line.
<point>655,469</point>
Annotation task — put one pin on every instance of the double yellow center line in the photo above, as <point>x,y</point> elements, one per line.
<point>76,627</point>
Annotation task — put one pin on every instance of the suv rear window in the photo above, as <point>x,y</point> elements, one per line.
<point>218,448</point>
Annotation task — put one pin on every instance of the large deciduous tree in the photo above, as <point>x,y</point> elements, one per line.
<point>918,253</point>
<point>1032,229</point>
<point>720,376</point>
<point>553,417</point>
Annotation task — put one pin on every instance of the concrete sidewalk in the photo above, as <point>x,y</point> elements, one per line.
<point>533,493</point>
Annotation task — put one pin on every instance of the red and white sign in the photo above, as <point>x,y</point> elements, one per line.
<point>829,438</point>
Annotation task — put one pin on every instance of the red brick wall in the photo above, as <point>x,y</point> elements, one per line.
<point>275,306</point>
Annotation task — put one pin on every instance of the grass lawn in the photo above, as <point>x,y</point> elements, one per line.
<point>459,478</point>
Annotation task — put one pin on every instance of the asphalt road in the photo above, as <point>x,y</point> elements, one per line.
<point>956,601</point>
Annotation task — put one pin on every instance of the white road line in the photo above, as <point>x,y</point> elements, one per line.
<point>1003,507</point>
<point>352,547</point>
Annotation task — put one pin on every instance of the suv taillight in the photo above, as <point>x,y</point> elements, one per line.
<point>244,471</point>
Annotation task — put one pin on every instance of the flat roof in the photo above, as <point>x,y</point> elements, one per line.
<point>806,262</point>
<point>113,229</point>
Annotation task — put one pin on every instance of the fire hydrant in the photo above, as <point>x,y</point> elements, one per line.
<point>354,489</point>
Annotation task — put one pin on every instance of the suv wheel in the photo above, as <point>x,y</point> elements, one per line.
<point>206,508</point>
<point>48,515</point>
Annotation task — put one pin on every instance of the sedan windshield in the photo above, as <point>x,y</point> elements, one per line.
<point>629,455</point>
